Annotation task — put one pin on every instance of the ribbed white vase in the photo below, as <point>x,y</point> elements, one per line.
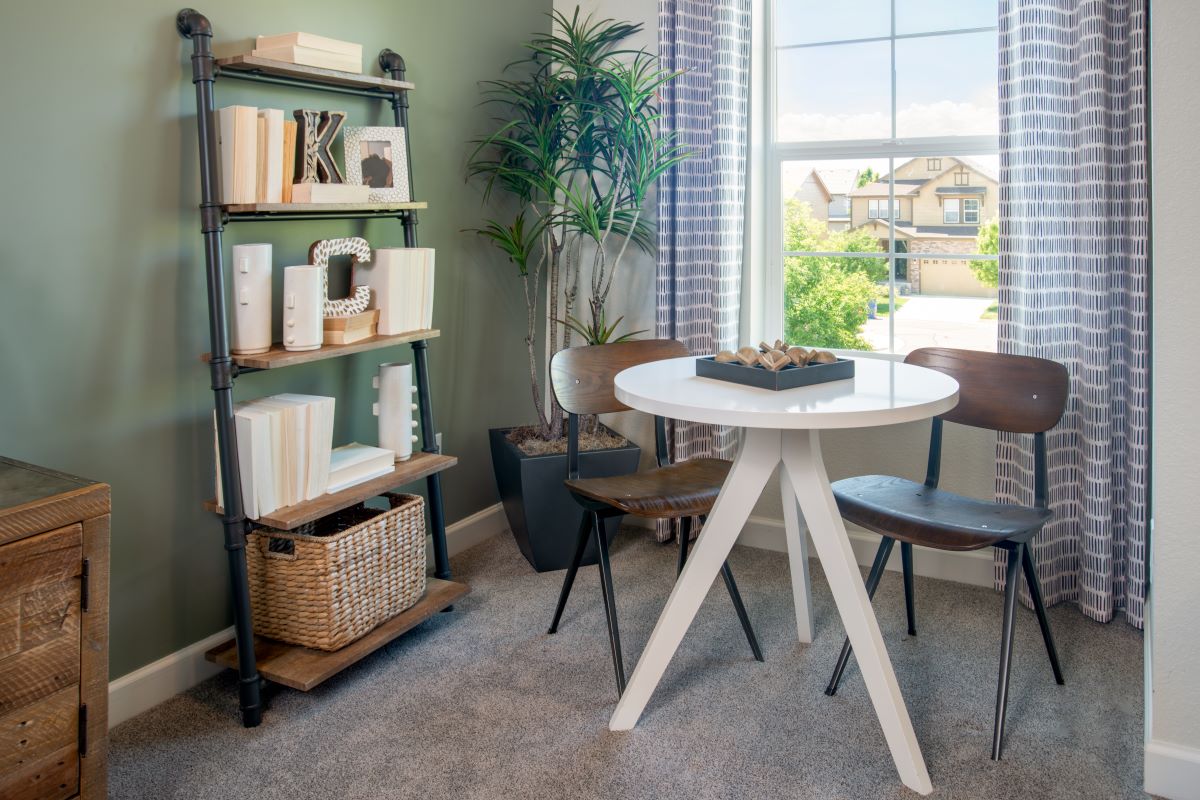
<point>395,408</point>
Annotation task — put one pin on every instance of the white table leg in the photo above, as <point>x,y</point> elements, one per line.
<point>797,546</point>
<point>806,470</point>
<point>751,470</point>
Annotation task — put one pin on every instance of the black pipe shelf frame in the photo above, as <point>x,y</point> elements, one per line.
<point>224,369</point>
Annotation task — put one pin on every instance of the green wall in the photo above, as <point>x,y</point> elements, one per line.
<point>102,305</point>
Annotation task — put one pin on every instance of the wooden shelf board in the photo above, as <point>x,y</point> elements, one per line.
<point>302,668</point>
<point>322,208</point>
<point>267,66</point>
<point>277,357</point>
<point>421,465</point>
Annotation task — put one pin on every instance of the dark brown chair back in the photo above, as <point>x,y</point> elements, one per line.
<point>583,376</point>
<point>1017,394</point>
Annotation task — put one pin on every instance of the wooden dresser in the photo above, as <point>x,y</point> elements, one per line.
<point>54,532</point>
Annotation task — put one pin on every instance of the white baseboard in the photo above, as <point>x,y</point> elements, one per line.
<point>1172,771</point>
<point>146,687</point>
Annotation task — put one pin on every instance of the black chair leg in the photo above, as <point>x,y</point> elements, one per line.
<point>685,534</point>
<point>730,584</point>
<point>1012,577</point>
<point>906,557</point>
<point>585,528</point>
<point>1035,592</point>
<point>740,608</point>
<point>610,602</point>
<point>881,557</point>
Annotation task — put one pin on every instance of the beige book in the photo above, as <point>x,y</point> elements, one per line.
<point>329,193</point>
<point>309,57</point>
<point>289,160</point>
<point>271,147</point>
<point>238,153</point>
<point>310,40</point>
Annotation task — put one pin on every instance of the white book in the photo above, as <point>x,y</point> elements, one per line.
<point>270,182</point>
<point>237,128</point>
<point>293,447</point>
<point>356,463</point>
<point>330,193</point>
<point>310,57</point>
<point>319,435</point>
<point>254,461</point>
<point>310,40</point>
<point>427,310</point>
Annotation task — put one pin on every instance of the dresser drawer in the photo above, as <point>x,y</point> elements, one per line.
<point>40,612</point>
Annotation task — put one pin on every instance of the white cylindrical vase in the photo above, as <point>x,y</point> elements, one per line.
<point>251,323</point>
<point>395,408</point>
<point>303,298</point>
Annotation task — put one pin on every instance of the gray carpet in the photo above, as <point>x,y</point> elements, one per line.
<point>481,703</point>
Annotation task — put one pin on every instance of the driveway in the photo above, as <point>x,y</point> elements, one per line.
<point>937,322</point>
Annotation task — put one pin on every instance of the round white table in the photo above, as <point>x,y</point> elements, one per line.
<point>783,428</point>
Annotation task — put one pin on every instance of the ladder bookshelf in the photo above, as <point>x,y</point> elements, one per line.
<point>256,660</point>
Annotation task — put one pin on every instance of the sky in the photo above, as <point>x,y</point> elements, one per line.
<point>945,85</point>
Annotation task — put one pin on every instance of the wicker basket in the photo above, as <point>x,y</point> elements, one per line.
<point>332,581</point>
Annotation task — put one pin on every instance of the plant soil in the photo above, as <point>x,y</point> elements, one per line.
<point>529,441</point>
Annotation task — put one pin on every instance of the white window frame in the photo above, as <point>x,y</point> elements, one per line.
<point>967,212</point>
<point>878,209</point>
<point>893,148</point>
<point>947,204</point>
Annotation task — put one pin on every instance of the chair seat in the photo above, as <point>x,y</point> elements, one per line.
<point>686,489</point>
<point>913,512</point>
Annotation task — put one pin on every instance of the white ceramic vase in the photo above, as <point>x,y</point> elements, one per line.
<point>303,298</point>
<point>251,323</point>
<point>395,408</point>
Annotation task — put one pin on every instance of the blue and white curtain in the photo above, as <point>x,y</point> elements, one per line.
<point>701,202</point>
<point>1074,284</point>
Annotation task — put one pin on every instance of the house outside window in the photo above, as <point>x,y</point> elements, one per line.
<point>933,164</point>
<point>962,178</point>
<point>950,211</point>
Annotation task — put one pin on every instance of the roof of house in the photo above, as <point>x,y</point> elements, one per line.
<point>909,231</point>
<point>961,190</point>
<point>837,181</point>
<point>880,189</point>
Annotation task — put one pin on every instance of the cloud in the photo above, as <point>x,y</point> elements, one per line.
<point>943,118</point>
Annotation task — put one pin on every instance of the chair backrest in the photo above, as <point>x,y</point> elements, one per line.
<point>998,391</point>
<point>583,376</point>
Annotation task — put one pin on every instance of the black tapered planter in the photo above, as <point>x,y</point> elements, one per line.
<point>542,515</point>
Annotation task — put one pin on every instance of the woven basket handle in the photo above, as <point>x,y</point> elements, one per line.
<point>264,544</point>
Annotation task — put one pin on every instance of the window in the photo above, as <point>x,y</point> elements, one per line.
<point>950,211</point>
<point>888,144</point>
<point>971,211</point>
<point>878,209</point>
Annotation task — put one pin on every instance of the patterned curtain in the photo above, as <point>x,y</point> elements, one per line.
<point>701,202</point>
<point>1073,284</point>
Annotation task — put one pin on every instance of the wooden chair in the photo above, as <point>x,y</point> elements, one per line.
<point>583,383</point>
<point>1016,394</point>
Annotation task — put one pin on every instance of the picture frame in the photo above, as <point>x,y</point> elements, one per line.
<point>377,156</point>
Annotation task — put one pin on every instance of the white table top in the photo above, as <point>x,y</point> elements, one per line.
<point>880,393</point>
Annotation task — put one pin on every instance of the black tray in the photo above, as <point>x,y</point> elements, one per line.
<point>790,377</point>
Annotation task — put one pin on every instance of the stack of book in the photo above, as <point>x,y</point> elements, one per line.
<point>401,281</point>
<point>310,50</point>
<point>356,463</point>
<point>257,155</point>
<point>284,449</point>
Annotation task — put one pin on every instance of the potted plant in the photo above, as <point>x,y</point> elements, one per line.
<point>575,152</point>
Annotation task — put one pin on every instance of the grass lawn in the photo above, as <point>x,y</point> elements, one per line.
<point>991,312</point>
<point>883,308</point>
